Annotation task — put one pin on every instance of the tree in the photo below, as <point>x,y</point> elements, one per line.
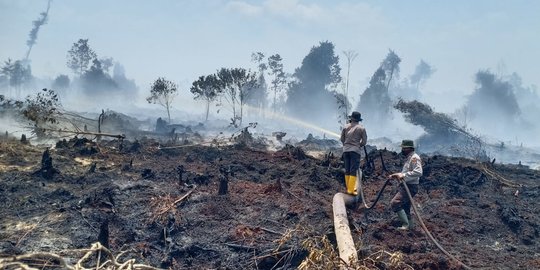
<point>80,56</point>
<point>163,93</point>
<point>42,110</point>
<point>237,84</point>
<point>16,72</point>
<point>61,82</point>
<point>257,98</point>
<point>421,73</point>
<point>96,80</point>
<point>375,101</point>
<point>278,77</point>
<point>493,100</point>
<point>308,92</point>
<point>206,88</point>
<point>350,55</point>
<point>390,65</point>
<point>32,37</point>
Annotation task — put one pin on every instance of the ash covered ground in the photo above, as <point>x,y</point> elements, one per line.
<point>162,206</point>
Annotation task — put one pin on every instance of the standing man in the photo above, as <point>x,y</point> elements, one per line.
<point>410,175</point>
<point>353,137</point>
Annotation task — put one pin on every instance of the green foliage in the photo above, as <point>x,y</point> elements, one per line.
<point>493,100</point>
<point>421,73</point>
<point>61,82</point>
<point>96,79</point>
<point>236,84</point>
<point>442,131</point>
<point>258,96</point>
<point>308,92</point>
<point>206,88</point>
<point>16,72</point>
<point>278,80</point>
<point>9,105</point>
<point>163,92</point>
<point>375,102</point>
<point>42,110</point>
<point>80,56</point>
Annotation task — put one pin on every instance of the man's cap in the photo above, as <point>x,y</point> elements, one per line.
<point>407,144</point>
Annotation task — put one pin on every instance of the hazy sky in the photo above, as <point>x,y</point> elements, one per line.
<point>182,40</point>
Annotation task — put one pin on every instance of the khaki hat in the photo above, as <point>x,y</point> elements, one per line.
<point>407,144</point>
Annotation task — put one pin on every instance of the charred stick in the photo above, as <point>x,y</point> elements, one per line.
<point>118,136</point>
<point>382,162</point>
<point>240,247</point>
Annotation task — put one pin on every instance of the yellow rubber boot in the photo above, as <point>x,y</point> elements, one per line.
<point>347,181</point>
<point>351,187</point>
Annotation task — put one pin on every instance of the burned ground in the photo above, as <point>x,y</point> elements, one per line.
<point>162,205</point>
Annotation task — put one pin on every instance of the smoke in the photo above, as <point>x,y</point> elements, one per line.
<point>32,37</point>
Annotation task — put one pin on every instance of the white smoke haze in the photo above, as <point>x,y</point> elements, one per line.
<point>181,41</point>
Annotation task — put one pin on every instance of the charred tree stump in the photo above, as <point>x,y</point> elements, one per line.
<point>23,139</point>
<point>223,185</point>
<point>92,168</point>
<point>180,170</point>
<point>224,180</point>
<point>100,121</point>
<point>47,170</point>
<point>103,236</point>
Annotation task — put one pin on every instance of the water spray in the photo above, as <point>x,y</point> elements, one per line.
<point>294,121</point>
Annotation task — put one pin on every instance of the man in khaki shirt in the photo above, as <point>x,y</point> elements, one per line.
<point>410,174</point>
<point>353,137</point>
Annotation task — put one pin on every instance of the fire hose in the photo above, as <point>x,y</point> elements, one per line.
<point>429,233</point>
<point>423,225</point>
<point>360,178</point>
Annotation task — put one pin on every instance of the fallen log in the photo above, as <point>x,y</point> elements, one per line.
<point>118,136</point>
<point>347,250</point>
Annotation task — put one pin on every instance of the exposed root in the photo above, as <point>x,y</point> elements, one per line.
<point>45,260</point>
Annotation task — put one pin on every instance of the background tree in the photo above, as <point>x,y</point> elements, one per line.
<point>163,93</point>
<point>16,73</point>
<point>390,65</point>
<point>96,80</point>
<point>206,88</point>
<point>493,100</point>
<point>257,97</point>
<point>236,84</point>
<point>278,77</point>
<point>350,55</point>
<point>308,95</point>
<point>375,101</point>
<point>43,110</point>
<point>61,82</point>
<point>80,56</point>
<point>422,72</point>
<point>32,37</point>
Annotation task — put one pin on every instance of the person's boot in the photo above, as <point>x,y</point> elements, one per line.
<point>347,182</point>
<point>404,220</point>
<point>351,188</point>
<point>411,222</point>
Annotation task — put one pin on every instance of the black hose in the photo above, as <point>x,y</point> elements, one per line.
<point>428,232</point>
